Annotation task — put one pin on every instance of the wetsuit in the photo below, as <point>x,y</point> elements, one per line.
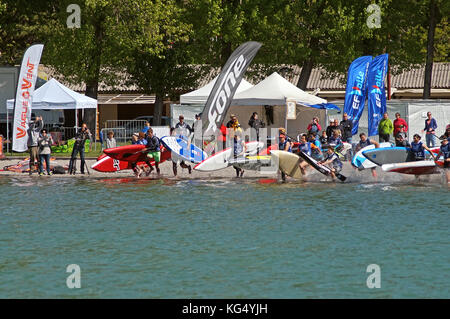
<point>78,147</point>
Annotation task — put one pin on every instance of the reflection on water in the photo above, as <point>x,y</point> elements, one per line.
<point>222,238</point>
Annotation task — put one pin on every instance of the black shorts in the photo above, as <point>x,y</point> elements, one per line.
<point>446,164</point>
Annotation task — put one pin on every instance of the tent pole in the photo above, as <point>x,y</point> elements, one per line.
<point>95,136</point>
<point>7,129</point>
<point>285,116</point>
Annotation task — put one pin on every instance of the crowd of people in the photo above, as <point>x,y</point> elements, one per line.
<point>323,145</point>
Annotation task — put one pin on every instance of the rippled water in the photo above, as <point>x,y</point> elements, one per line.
<point>222,239</point>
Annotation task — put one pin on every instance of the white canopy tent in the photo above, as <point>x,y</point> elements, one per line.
<point>55,96</point>
<point>274,91</point>
<point>201,95</point>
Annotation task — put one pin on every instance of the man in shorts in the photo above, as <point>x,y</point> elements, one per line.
<point>153,151</point>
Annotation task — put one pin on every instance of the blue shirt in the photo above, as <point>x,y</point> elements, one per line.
<point>335,140</point>
<point>282,146</point>
<point>432,126</point>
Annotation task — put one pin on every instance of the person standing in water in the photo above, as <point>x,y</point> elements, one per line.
<point>445,151</point>
<point>284,145</point>
<point>153,151</point>
<point>364,142</point>
<point>34,131</point>
<point>332,158</point>
<point>80,139</point>
<point>175,160</point>
<point>239,149</point>
<point>418,150</point>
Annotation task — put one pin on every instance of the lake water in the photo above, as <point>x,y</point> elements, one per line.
<point>222,238</point>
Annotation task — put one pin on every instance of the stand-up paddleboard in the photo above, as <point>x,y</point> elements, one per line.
<point>183,150</point>
<point>133,153</point>
<point>361,162</point>
<point>221,159</point>
<point>321,168</point>
<point>288,163</point>
<point>414,168</point>
<point>106,164</point>
<point>251,162</point>
<point>390,155</point>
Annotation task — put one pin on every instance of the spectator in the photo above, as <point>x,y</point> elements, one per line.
<point>233,122</point>
<point>330,128</point>
<point>110,140</point>
<point>430,127</point>
<point>400,125</point>
<point>385,128</point>
<point>314,127</point>
<point>256,124</point>
<point>146,127</point>
<point>135,137</point>
<point>338,127</point>
<point>33,140</point>
<point>80,139</point>
<point>323,139</point>
<point>347,126</point>
<point>45,142</point>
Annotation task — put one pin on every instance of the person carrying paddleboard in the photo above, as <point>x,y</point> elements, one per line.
<point>239,149</point>
<point>307,148</point>
<point>153,151</point>
<point>445,151</point>
<point>332,158</point>
<point>284,145</point>
<point>175,160</point>
<point>138,139</point>
<point>364,142</point>
<point>182,128</point>
<point>417,152</point>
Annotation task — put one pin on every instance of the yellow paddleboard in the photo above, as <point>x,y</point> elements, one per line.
<point>288,163</point>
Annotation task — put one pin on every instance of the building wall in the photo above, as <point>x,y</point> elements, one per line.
<point>106,112</point>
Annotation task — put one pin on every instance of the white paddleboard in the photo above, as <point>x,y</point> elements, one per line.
<point>221,159</point>
<point>361,162</point>
<point>287,162</point>
<point>413,168</point>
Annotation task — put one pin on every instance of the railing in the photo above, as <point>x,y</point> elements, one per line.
<point>119,135</point>
<point>129,126</point>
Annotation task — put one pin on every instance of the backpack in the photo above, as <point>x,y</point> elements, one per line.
<point>59,170</point>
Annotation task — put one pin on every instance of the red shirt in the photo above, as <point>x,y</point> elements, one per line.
<point>397,123</point>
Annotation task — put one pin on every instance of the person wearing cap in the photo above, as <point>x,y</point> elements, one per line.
<point>400,140</point>
<point>284,145</point>
<point>400,125</point>
<point>330,128</point>
<point>44,143</point>
<point>233,122</point>
<point>445,151</point>
<point>182,128</point>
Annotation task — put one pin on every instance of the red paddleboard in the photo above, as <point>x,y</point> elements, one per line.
<point>414,168</point>
<point>128,153</point>
<point>108,164</point>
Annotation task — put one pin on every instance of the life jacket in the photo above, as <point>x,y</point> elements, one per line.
<point>366,143</point>
<point>305,148</point>
<point>418,150</point>
<point>282,146</point>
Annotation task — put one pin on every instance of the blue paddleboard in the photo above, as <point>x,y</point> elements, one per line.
<point>183,149</point>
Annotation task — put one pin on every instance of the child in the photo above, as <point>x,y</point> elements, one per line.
<point>332,158</point>
<point>324,138</point>
<point>44,144</point>
<point>110,140</point>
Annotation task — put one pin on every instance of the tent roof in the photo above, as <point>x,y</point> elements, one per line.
<point>274,90</point>
<point>201,95</point>
<point>54,95</point>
